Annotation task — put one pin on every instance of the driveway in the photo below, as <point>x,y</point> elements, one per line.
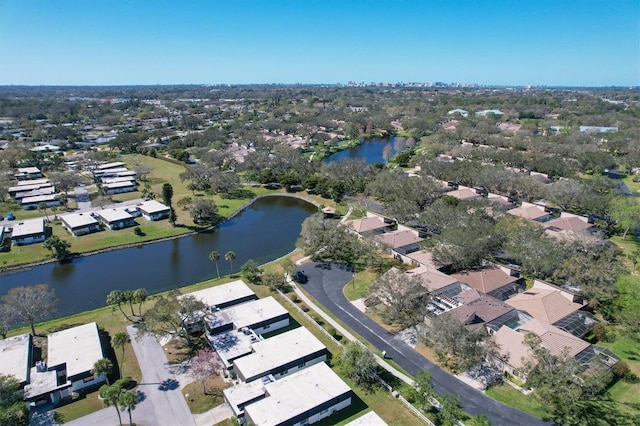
<point>161,400</point>
<point>326,282</point>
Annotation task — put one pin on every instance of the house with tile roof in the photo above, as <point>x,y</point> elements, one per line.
<point>498,281</point>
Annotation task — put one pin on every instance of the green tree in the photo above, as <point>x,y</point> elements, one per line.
<point>230,257</point>
<point>13,410</point>
<point>423,388</point>
<point>404,297</point>
<point>140,296</point>
<point>6,320</point>
<point>43,208</point>
<point>626,212</point>
<point>214,256</point>
<point>251,271</point>
<point>204,211</point>
<point>358,363</point>
<point>120,340</point>
<point>274,280</point>
<point>58,247</point>
<point>30,303</point>
<point>451,412</point>
<point>173,217</point>
<point>167,193</point>
<point>117,298</point>
<point>171,315</point>
<point>103,367</point>
<point>128,401</point>
<point>110,397</point>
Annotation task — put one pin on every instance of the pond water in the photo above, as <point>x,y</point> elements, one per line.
<point>265,231</point>
<point>369,149</point>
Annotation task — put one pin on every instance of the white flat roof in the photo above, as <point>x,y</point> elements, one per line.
<point>14,353</point>
<point>28,170</point>
<point>113,215</point>
<point>28,227</point>
<point>30,187</point>
<point>116,179</point>
<point>78,220</point>
<point>110,165</point>
<point>107,171</point>
<point>231,345</point>
<point>242,393</point>
<point>79,347</point>
<point>278,351</point>
<point>33,182</point>
<point>224,293</point>
<point>39,198</point>
<point>250,313</point>
<point>123,184</point>
<point>152,206</point>
<point>296,394</point>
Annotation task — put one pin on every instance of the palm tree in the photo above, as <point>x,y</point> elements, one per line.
<point>116,297</point>
<point>103,367</point>
<point>120,340</point>
<point>140,295</point>
<point>214,256</point>
<point>230,257</point>
<point>110,396</point>
<point>128,401</point>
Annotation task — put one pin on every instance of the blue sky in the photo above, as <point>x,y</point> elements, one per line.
<point>538,42</point>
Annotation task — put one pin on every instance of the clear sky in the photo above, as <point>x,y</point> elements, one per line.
<point>505,42</point>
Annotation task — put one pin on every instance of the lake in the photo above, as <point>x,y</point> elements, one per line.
<point>369,149</point>
<point>264,231</point>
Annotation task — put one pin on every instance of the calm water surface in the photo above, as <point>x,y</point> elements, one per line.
<point>266,230</point>
<point>370,150</point>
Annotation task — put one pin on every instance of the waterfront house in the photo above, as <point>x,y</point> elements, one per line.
<point>28,232</point>
<point>119,187</point>
<point>115,218</point>
<point>154,210</point>
<point>224,295</point>
<point>80,223</point>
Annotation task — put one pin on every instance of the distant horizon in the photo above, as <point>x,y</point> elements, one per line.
<point>502,43</point>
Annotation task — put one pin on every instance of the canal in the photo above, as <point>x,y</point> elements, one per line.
<point>264,231</point>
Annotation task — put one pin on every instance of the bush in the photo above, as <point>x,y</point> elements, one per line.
<point>304,307</point>
<point>295,298</point>
<point>603,333</point>
<point>138,231</point>
<point>332,331</point>
<point>622,371</point>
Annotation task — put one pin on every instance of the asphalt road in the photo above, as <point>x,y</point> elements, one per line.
<point>325,284</point>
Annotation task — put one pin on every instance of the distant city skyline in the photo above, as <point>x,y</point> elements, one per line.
<point>144,42</point>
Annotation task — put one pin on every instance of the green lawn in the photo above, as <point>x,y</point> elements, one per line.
<point>514,398</point>
<point>359,287</point>
<point>626,394</point>
<point>633,186</point>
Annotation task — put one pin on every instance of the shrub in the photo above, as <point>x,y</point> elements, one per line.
<point>295,298</point>
<point>603,333</point>
<point>304,307</point>
<point>138,231</point>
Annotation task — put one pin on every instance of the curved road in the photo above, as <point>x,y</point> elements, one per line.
<point>325,284</point>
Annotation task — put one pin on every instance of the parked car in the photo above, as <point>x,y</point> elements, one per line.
<point>300,277</point>
<point>10,216</point>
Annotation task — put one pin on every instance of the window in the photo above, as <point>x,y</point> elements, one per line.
<point>302,364</point>
<point>266,326</point>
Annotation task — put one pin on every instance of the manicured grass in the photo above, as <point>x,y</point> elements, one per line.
<point>198,401</point>
<point>626,394</point>
<point>633,186</point>
<point>359,287</point>
<point>81,407</point>
<point>514,398</point>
